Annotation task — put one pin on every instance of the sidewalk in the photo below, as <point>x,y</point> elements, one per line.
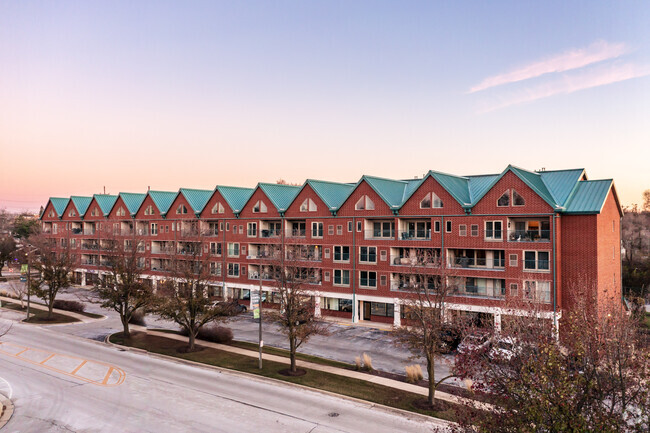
<point>80,317</point>
<point>325,368</point>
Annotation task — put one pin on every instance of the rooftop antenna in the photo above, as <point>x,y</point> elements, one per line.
<point>104,189</point>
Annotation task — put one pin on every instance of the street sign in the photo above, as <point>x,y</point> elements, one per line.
<point>23,279</point>
<point>23,269</point>
<point>255,303</point>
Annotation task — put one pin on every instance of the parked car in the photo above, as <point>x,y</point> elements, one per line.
<point>235,305</point>
<point>473,342</point>
<point>450,339</point>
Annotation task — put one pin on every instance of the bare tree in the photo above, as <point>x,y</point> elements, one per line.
<point>124,291</point>
<point>184,298</point>
<point>296,317</point>
<point>7,248</point>
<point>19,290</point>
<point>646,200</point>
<point>428,326</point>
<point>595,378</point>
<point>54,265</point>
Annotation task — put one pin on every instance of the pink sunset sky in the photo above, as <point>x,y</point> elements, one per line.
<point>123,95</point>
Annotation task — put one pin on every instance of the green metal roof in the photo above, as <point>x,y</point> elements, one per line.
<point>333,194</point>
<point>81,203</point>
<point>235,196</point>
<point>479,185</point>
<point>105,202</point>
<point>280,195</point>
<point>197,198</point>
<point>163,200</point>
<point>588,197</point>
<point>59,204</point>
<point>561,182</point>
<point>133,201</point>
<point>457,186</point>
<point>392,192</point>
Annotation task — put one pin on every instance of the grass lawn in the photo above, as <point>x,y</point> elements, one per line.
<point>39,317</point>
<point>315,379</point>
<point>91,315</point>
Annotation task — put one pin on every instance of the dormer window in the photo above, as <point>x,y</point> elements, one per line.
<point>93,212</point>
<point>517,200</point>
<point>259,207</point>
<point>308,206</point>
<point>72,213</point>
<point>218,208</point>
<point>181,210</point>
<point>51,214</point>
<point>430,200</point>
<point>120,211</point>
<point>364,203</point>
<point>149,210</point>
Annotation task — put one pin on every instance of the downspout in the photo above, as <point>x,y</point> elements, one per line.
<point>555,324</point>
<point>354,267</point>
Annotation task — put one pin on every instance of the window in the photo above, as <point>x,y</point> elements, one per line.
<point>359,226</point>
<point>513,289</point>
<point>227,226</point>
<point>298,229</point>
<point>259,207</point>
<point>167,228</point>
<point>215,269</point>
<point>54,228</point>
<point>215,248</point>
<point>382,309</point>
<point>474,229</point>
<point>436,226</point>
<point>368,254</point>
<point>367,279</point>
<point>383,280</point>
<point>536,260</point>
<point>181,209</point>
<point>513,260</point>
<point>364,203</point>
<point>94,212</point>
<point>517,200</point>
<point>308,206</point>
<point>504,200</point>
<point>233,249</point>
<point>341,253</point>
<point>498,259</point>
<point>448,227</point>
<point>154,228</point>
<point>341,277</point>
<point>50,214</point>
<point>149,210</point>
<point>252,230</point>
<point>493,230</point>
<point>72,213</point>
<point>383,255</point>
<point>339,230</point>
<point>326,275</point>
<point>327,253</point>
<point>330,230</point>
<point>537,291</point>
<point>218,208</point>
<point>430,200</point>
<point>384,229</point>
<point>349,226</point>
<point>316,230</point>
<point>233,269</point>
<point>462,230</point>
<point>234,229</point>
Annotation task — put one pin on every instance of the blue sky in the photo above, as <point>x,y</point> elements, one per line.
<point>168,94</point>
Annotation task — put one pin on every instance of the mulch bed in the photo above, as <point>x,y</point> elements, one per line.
<point>297,373</point>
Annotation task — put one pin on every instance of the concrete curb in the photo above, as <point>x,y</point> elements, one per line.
<point>7,410</point>
<point>278,382</point>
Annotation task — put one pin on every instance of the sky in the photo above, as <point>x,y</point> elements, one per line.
<point>120,96</point>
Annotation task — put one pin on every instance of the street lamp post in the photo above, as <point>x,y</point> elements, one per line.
<point>29,284</point>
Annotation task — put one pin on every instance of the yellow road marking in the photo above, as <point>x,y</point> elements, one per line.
<point>47,359</point>
<point>78,367</point>
<point>121,374</point>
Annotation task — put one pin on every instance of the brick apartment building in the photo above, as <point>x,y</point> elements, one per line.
<point>517,235</point>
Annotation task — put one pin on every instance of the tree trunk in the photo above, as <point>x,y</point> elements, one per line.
<point>432,379</point>
<point>292,354</point>
<point>125,324</point>
<point>50,307</point>
<point>192,338</point>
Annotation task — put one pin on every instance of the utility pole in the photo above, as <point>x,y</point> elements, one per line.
<point>261,342</point>
<point>29,283</point>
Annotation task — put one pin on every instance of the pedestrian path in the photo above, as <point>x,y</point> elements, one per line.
<point>80,317</point>
<point>325,368</point>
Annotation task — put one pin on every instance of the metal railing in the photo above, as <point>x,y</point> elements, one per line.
<point>415,235</point>
<point>529,235</point>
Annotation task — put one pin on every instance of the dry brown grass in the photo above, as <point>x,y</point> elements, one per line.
<point>367,362</point>
<point>413,373</point>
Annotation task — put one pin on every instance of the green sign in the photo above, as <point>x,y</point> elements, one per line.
<point>255,304</point>
<point>23,269</point>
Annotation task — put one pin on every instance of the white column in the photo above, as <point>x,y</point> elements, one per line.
<point>317,312</point>
<point>397,319</point>
<point>154,284</point>
<point>497,322</point>
<point>83,278</point>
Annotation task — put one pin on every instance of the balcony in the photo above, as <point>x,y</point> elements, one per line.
<point>529,230</point>
<point>477,287</point>
<point>76,230</point>
<point>270,233</point>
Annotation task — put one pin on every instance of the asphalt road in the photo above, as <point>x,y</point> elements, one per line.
<point>62,383</point>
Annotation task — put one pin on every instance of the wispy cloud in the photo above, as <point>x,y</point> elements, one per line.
<point>569,83</point>
<point>573,59</point>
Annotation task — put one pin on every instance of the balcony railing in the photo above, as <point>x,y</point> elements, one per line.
<point>473,290</point>
<point>413,261</point>
<point>297,233</point>
<point>270,233</point>
<point>529,236</point>
<point>76,231</point>
<point>89,231</point>
<point>410,287</point>
<point>142,231</point>
<point>379,234</point>
<point>415,235</point>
